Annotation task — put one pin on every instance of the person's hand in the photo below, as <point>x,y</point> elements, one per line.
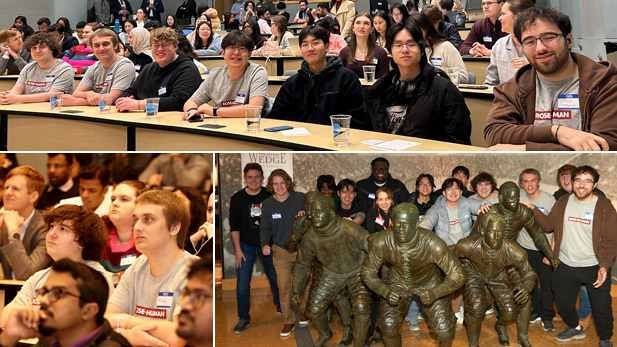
<point>301,213</point>
<point>506,147</point>
<point>517,63</point>
<point>527,204</point>
<point>155,180</point>
<point>476,49</point>
<point>23,323</point>
<point>189,114</point>
<point>579,140</point>
<point>93,98</point>
<point>427,296</point>
<point>314,14</point>
<point>124,12</point>
<point>392,297</point>
<point>239,258</point>
<point>484,209</point>
<point>295,299</point>
<point>151,6</point>
<point>266,250</point>
<point>554,262</point>
<point>127,53</point>
<point>127,104</point>
<point>139,336</point>
<point>601,277</point>
<point>521,295</point>
<point>8,98</point>
<point>3,50</point>
<point>12,220</point>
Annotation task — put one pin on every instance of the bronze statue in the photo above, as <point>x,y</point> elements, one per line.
<point>487,258</point>
<point>416,258</point>
<point>338,247</point>
<point>300,227</point>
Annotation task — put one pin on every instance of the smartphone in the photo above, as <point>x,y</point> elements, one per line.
<point>279,128</point>
<point>212,126</point>
<point>474,87</point>
<point>195,118</point>
<point>72,111</point>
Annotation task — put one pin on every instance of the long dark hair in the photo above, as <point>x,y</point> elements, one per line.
<point>67,25</point>
<point>386,17</point>
<point>199,44</point>
<point>175,26</point>
<point>402,9</point>
<point>256,35</point>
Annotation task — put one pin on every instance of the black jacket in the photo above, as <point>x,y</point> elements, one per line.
<point>187,10</point>
<point>115,7</point>
<point>69,42</point>
<point>436,111</point>
<point>180,78</point>
<point>156,11</point>
<point>313,98</point>
<point>451,33</point>
<point>105,337</point>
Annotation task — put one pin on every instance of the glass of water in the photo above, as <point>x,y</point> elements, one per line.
<point>340,129</point>
<point>253,117</point>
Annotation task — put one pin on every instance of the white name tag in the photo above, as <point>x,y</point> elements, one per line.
<point>240,98</point>
<point>162,90</point>
<point>371,196</point>
<point>588,215</point>
<point>109,77</point>
<point>567,102</point>
<point>49,78</point>
<point>541,209</point>
<point>487,38</point>
<point>137,67</point>
<point>436,61</point>
<point>128,259</point>
<point>165,299</point>
<point>375,60</point>
<point>276,215</point>
<point>379,221</point>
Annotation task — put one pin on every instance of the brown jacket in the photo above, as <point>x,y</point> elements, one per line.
<point>603,231</point>
<point>510,120</point>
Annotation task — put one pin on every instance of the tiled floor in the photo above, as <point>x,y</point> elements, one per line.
<point>266,325</point>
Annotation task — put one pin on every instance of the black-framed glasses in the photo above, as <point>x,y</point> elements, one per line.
<point>197,298</point>
<point>579,181</point>
<point>548,39</point>
<point>55,293</point>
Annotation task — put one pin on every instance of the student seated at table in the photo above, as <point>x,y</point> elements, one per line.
<point>67,41</point>
<point>82,56</point>
<point>382,23</point>
<point>13,57</point>
<point>362,49</point>
<point>337,42</point>
<point>207,42</point>
<point>147,292</point>
<point>111,74</point>
<point>74,232</point>
<point>173,76</point>
<point>278,43</point>
<point>252,29</point>
<point>416,99</point>
<point>139,38</point>
<point>185,46</point>
<point>485,32</point>
<point>263,16</point>
<point>322,87</point>
<point>43,76</point>
<point>448,29</point>
<point>233,85</point>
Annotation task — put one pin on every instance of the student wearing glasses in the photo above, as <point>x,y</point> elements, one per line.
<point>561,100</point>
<point>196,301</point>
<point>485,32</point>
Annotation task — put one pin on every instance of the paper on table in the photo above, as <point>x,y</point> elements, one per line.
<point>372,142</point>
<point>296,132</point>
<point>395,145</point>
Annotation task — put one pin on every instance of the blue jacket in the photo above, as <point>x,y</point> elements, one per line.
<point>436,218</point>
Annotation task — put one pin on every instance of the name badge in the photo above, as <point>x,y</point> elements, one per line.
<point>567,102</point>
<point>487,38</point>
<point>588,215</point>
<point>375,60</point>
<point>162,90</point>
<point>137,67</point>
<point>109,77</point>
<point>379,220</point>
<point>240,98</point>
<point>371,196</point>
<point>276,215</point>
<point>540,208</point>
<point>128,259</point>
<point>165,299</point>
<point>49,78</point>
<point>436,61</point>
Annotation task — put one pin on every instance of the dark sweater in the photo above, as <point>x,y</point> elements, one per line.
<point>278,218</point>
<point>245,215</point>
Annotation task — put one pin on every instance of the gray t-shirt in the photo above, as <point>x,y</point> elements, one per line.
<point>119,76</point>
<point>223,92</point>
<point>37,281</point>
<point>577,244</point>
<point>141,294</point>
<point>456,232</point>
<point>558,103</point>
<point>544,203</point>
<point>36,80</point>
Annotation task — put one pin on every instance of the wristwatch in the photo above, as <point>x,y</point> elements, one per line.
<point>16,236</point>
<point>214,109</point>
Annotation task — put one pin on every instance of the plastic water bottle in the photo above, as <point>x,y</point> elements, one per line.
<point>223,26</point>
<point>117,25</point>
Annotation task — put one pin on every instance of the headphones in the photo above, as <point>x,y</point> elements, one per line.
<point>404,88</point>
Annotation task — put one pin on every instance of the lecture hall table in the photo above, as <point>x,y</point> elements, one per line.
<point>33,127</point>
<point>8,290</point>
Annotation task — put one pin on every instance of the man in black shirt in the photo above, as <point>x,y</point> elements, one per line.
<point>61,185</point>
<point>244,223</point>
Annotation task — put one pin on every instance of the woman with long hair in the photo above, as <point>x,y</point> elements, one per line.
<point>252,29</point>
<point>128,26</point>
<point>82,56</point>
<point>185,46</point>
<point>197,207</point>
<point>280,36</point>
<point>207,42</point>
<point>172,22</point>
<point>382,22</point>
<point>399,13</point>
<point>67,26</point>
<point>139,38</point>
<point>141,18</point>
<point>362,49</point>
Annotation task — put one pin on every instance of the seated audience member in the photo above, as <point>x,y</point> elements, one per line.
<point>485,187</point>
<point>202,240</point>
<point>263,16</point>
<point>445,8</point>
<point>21,21</point>
<point>207,42</point>
<point>176,170</point>
<point>336,42</point>
<point>110,74</point>
<point>172,22</point>
<point>252,29</point>
<point>423,196</point>
<point>13,56</point>
<point>439,51</point>
<point>416,99</point>
<point>75,233</point>
<point>67,26</point>
<point>61,185</point>
<point>67,41</point>
<point>120,251</point>
<point>146,292</point>
<point>139,38</point>
<point>173,77</point>
<point>347,206</point>
<point>507,55</point>
<point>248,12</point>
<point>302,15</point>
<point>448,29</point>
<point>362,49</point>
<point>233,85</point>
<point>151,25</point>
<point>79,29</point>
<point>561,100</point>
<point>381,23</point>
<point>140,18</point>
<point>485,32</point>
<point>25,31</point>
<point>282,10</point>
<point>128,26</point>
<point>43,76</point>
<point>22,250</point>
<point>43,24</point>
<point>82,56</point>
<point>322,87</point>
<point>322,13</point>
<point>378,216</point>
<point>326,185</point>
<point>399,13</point>
<point>94,189</point>
<point>185,46</point>
<point>196,301</point>
<point>197,208</point>
<point>193,34</point>
<point>72,307</point>
<point>278,42</point>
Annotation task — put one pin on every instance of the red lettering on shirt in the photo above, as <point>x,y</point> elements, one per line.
<point>454,222</point>
<point>36,84</point>
<point>35,302</point>
<point>562,114</point>
<point>579,220</point>
<point>228,103</point>
<point>101,85</point>
<point>150,312</point>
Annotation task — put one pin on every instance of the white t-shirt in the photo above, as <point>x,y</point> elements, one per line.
<point>119,76</point>
<point>544,203</point>
<point>36,80</point>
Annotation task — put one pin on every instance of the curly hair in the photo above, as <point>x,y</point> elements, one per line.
<point>483,177</point>
<point>44,38</point>
<point>166,35</point>
<point>286,178</point>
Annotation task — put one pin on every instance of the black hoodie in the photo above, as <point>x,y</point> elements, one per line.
<point>312,98</point>
<point>180,80</point>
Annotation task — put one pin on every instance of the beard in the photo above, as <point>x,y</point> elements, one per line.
<point>559,60</point>
<point>46,330</point>
<point>185,330</point>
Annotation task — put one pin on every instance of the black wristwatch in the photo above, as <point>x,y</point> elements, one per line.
<point>214,109</point>
<point>16,236</point>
